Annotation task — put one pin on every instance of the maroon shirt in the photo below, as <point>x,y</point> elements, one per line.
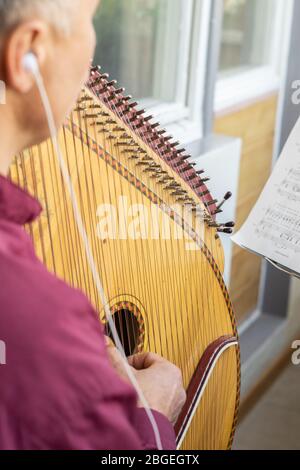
<point>57,389</point>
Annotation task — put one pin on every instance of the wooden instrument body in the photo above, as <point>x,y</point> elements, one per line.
<point>166,281</point>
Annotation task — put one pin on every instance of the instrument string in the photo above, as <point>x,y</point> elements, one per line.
<point>61,234</point>
<point>74,245</point>
<point>66,205</point>
<point>177,314</point>
<point>176,289</point>
<point>80,225</point>
<point>154,254</point>
<point>102,262</point>
<point>34,189</point>
<point>61,204</point>
<point>86,207</point>
<point>188,268</point>
<point>126,280</point>
<point>147,284</point>
<point>26,186</point>
<point>119,260</point>
<point>47,206</point>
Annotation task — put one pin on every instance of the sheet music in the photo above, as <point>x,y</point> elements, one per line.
<point>273,226</point>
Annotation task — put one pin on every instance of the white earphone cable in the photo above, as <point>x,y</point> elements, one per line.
<point>68,182</point>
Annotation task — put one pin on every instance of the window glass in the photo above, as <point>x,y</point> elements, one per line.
<point>138,43</point>
<point>246,34</point>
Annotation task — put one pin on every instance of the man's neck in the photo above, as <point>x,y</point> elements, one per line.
<point>5,163</point>
<point>10,139</point>
<point>4,169</point>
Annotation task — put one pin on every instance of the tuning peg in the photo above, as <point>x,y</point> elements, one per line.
<point>95,69</point>
<point>205,180</point>
<point>204,193</point>
<point>119,103</point>
<point>97,81</point>
<point>170,158</point>
<point>184,158</point>
<point>110,98</point>
<point>229,231</point>
<point>104,76</point>
<point>139,125</point>
<point>188,167</point>
<point>112,83</point>
<point>154,138</point>
<point>229,225</point>
<point>118,91</point>
<point>226,197</point>
<point>211,203</point>
<point>140,112</point>
<point>133,104</point>
<point>192,177</point>
<point>198,185</point>
<point>174,144</point>
<point>161,145</point>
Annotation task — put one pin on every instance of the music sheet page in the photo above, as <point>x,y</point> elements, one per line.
<point>273,227</point>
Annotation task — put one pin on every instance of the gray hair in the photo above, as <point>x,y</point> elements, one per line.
<point>57,11</point>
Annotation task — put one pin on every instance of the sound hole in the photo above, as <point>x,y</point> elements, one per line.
<point>127,327</point>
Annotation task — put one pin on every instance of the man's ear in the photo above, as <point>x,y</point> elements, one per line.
<point>30,36</point>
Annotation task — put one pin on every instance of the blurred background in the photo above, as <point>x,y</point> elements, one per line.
<point>219,75</point>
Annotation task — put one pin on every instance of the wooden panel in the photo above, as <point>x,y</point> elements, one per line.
<point>255,125</point>
<point>255,170</point>
<point>251,123</point>
<point>243,277</point>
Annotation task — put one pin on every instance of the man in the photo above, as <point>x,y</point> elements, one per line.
<point>62,387</point>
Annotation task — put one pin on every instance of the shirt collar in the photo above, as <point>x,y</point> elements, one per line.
<point>16,205</point>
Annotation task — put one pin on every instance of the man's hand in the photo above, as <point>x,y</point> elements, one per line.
<point>161,383</point>
<point>159,380</point>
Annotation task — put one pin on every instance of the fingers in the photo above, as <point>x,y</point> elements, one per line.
<point>116,359</point>
<point>108,341</point>
<point>145,360</point>
<point>115,356</point>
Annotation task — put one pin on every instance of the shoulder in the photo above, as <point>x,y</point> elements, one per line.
<point>39,309</point>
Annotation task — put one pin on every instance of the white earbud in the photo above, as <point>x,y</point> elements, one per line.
<point>30,63</point>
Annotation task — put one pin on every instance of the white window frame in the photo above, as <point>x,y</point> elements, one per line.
<point>246,86</point>
<point>183,117</point>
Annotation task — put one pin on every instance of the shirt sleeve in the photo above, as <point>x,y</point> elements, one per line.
<point>146,433</point>
<point>77,400</point>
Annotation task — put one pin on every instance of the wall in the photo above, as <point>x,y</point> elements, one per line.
<point>255,125</point>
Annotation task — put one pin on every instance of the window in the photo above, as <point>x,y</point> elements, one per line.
<point>158,50</point>
<point>148,46</point>
<point>142,42</point>
<point>247,34</point>
<point>165,52</point>
<point>135,39</point>
<point>253,45</point>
